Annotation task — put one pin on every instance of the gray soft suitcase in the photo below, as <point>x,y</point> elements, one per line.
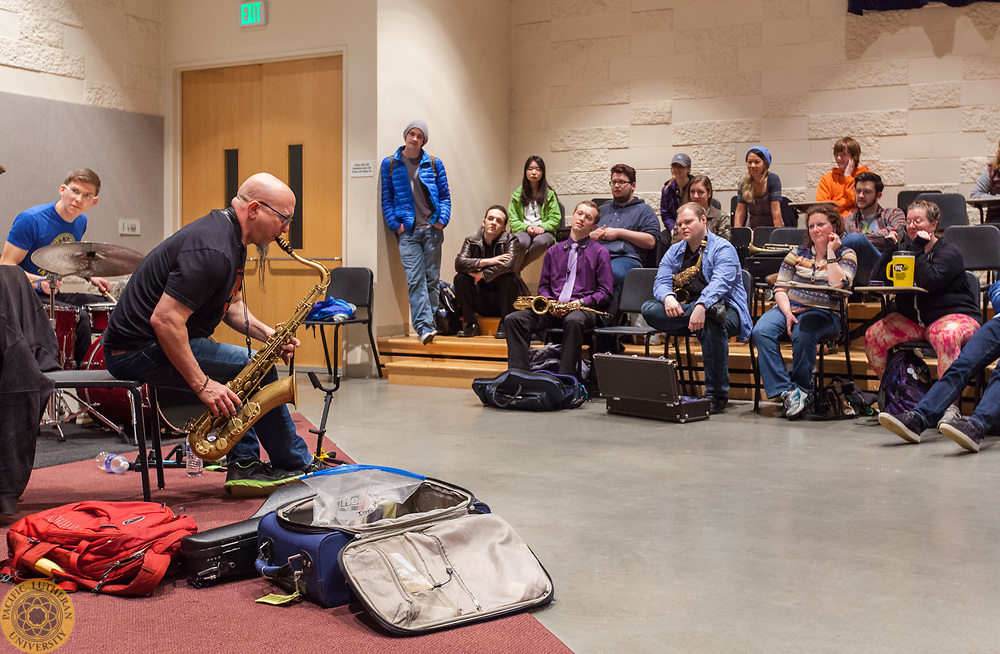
<point>443,561</point>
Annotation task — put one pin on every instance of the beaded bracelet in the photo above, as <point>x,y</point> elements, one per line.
<point>203,386</point>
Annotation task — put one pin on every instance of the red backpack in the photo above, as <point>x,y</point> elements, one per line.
<point>119,548</point>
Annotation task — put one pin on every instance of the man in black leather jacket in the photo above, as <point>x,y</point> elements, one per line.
<point>487,282</point>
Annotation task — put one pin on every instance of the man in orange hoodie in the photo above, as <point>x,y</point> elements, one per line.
<point>838,184</point>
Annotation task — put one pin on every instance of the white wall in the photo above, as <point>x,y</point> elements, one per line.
<point>447,62</point>
<point>596,82</point>
<point>94,52</point>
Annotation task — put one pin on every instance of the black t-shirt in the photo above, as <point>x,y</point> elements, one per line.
<point>198,266</point>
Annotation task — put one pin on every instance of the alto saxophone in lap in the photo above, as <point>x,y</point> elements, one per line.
<point>212,437</point>
<point>542,305</point>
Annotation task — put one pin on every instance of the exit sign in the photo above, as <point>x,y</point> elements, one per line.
<point>253,14</point>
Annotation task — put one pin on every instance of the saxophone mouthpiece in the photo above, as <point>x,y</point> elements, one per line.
<point>283,244</point>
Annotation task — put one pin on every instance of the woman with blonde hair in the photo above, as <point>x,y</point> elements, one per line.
<point>759,197</point>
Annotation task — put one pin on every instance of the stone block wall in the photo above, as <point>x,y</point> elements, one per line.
<point>598,82</point>
<point>99,52</point>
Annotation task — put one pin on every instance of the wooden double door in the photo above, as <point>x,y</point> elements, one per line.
<point>284,118</point>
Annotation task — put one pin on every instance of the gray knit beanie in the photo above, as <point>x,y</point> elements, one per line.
<point>419,124</point>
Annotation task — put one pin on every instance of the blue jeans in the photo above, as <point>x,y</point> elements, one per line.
<point>714,339</point>
<point>222,362</point>
<point>982,349</point>
<point>868,255</point>
<point>814,325</point>
<point>420,252</point>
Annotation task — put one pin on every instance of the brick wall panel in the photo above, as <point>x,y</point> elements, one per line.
<point>110,96</point>
<point>867,123</point>
<point>40,31</point>
<point>973,167</point>
<point>655,22</point>
<point>588,160</point>
<point>582,139</point>
<point>717,86</point>
<point>934,96</point>
<point>593,94</point>
<point>651,113</point>
<point>697,132</point>
<point>573,8</point>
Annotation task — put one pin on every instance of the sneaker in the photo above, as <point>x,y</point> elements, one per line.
<point>717,405</point>
<point>501,334</point>
<point>795,402</point>
<point>951,414</point>
<point>964,432</point>
<point>907,426</point>
<point>255,478</point>
<point>470,330</point>
<point>427,337</point>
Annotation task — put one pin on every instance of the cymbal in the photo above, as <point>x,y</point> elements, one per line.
<point>87,259</point>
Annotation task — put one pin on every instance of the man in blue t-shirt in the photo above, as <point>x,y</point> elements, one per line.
<point>63,221</point>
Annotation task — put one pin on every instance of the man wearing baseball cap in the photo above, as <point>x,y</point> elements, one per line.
<point>416,205</point>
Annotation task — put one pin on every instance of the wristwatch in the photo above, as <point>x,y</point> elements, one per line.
<point>832,260</point>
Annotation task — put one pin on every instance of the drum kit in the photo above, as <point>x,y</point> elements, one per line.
<point>87,260</point>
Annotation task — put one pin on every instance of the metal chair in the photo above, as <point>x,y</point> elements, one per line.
<point>952,206</point>
<point>357,286</point>
<point>925,345</point>
<point>685,374</point>
<point>843,338</point>
<point>637,289</point>
<point>906,198</point>
<point>980,246</point>
<point>65,379</point>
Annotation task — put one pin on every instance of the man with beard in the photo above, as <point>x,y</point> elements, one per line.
<point>872,229</point>
<point>159,332</point>
<point>628,228</point>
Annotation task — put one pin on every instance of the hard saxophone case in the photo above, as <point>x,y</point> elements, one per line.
<point>229,552</point>
<point>646,387</point>
<point>441,562</point>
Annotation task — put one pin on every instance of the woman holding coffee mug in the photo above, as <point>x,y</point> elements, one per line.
<point>946,316</point>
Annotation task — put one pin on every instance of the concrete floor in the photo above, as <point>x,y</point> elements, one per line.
<point>742,533</point>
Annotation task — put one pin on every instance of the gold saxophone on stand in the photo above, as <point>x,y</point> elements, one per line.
<point>542,305</point>
<point>212,437</point>
<point>684,277</point>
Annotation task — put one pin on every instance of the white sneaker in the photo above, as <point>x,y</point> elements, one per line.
<point>427,337</point>
<point>951,414</point>
<point>795,402</point>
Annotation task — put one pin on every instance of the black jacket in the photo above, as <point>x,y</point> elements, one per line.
<point>942,273</point>
<point>27,346</point>
<point>474,248</point>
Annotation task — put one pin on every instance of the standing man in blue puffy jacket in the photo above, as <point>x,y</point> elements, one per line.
<point>416,204</point>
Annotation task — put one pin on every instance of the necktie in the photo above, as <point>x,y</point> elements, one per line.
<point>567,290</point>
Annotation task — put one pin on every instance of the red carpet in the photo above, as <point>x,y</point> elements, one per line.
<point>225,619</point>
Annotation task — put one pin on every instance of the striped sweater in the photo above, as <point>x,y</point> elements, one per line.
<point>802,267</point>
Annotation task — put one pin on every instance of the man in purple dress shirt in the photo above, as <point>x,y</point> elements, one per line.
<point>577,270</point>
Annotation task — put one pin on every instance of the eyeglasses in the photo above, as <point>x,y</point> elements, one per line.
<point>620,182</point>
<point>284,219</point>
<point>77,193</point>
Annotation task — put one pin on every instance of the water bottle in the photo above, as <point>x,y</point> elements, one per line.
<point>114,463</point>
<point>195,466</point>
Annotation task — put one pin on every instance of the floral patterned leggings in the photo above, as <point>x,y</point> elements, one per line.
<point>946,335</point>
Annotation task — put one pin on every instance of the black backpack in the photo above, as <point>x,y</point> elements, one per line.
<point>447,317</point>
<point>530,391</point>
<point>905,382</point>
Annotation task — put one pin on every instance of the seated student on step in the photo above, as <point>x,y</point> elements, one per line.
<point>872,229</point>
<point>804,316</point>
<point>947,315</point>
<point>711,304</point>
<point>577,271</point>
<point>487,282</point>
<point>981,350</point>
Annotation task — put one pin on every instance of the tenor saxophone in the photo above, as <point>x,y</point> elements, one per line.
<point>542,305</point>
<point>212,437</point>
<point>684,277</point>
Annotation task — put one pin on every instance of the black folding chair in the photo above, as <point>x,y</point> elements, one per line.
<point>637,289</point>
<point>357,286</point>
